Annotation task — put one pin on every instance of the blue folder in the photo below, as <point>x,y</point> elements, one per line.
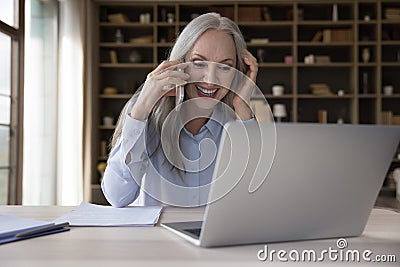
<point>14,228</point>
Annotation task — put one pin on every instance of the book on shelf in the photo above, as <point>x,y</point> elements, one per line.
<point>322,59</point>
<point>337,35</point>
<point>386,117</point>
<point>113,57</point>
<point>322,116</point>
<point>396,120</point>
<point>392,13</point>
<point>320,89</point>
<point>317,37</point>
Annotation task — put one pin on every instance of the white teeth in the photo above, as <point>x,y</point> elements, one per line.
<point>205,91</point>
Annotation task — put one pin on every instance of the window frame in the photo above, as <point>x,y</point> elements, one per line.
<point>16,113</point>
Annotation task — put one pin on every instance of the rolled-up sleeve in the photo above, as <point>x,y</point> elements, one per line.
<point>126,165</point>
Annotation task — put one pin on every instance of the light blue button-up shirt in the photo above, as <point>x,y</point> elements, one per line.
<point>131,175</point>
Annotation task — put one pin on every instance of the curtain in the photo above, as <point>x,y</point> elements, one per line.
<point>53,117</point>
<point>70,103</point>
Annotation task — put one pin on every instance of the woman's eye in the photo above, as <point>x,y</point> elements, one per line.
<point>199,64</point>
<point>224,68</point>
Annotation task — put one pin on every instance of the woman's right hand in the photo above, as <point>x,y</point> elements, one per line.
<point>161,81</point>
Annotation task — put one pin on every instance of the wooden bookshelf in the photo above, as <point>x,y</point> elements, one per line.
<point>290,31</point>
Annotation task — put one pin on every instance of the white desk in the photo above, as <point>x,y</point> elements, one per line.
<point>155,246</point>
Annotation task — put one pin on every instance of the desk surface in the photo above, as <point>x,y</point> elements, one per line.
<point>155,246</point>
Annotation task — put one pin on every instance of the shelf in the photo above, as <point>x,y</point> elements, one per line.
<point>116,96</point>
<point>330,44</point>
<point>284,96</point>
<point>329,23</point>
<point>311,96</point>
<point>275,65</point>
<point>266,23</point>
<point>164,44</point>
<point>127,65</point>
<point>394,96</point>
<point>278,44</point>
<point>367,43</point>
<point>390,43</point>
<point>328,65</point>
<point>369,64</point>
<point>107,127</point>
<point>390,64</point>
<point>369,22</point>
<point>126,25</point>
<point>367,96</point>
<point>391,21</point>
<point>124,45</point>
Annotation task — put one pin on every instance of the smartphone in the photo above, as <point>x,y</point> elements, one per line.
<point>180,92</point>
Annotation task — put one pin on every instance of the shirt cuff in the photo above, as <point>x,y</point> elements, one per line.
<point>132,129</point>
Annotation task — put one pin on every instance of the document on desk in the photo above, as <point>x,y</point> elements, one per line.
<point>15,228</point>
<point>87,214</point>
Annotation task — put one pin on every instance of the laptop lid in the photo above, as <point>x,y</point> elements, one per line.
<point>323,181</point>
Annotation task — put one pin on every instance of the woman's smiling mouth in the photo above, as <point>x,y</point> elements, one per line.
<point>206,92</point>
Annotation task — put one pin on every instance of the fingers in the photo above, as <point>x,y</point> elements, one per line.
<point>172,73</point>
<point>251,61</point>
<point>163,66</point>
<point>171,82</point>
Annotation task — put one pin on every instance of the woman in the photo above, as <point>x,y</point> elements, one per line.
<point>143,161</point>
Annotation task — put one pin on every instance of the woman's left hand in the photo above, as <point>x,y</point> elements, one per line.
<point>241,101</point>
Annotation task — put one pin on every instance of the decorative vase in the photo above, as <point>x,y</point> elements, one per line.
<point>278,89</point>
<point>335,15</point>
<point>135,57</point>
<point>108,121</point>
<point>388,90</point>
<point>365,55</point>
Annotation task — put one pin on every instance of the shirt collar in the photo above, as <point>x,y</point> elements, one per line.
<point>214,124</point>
<point>216,121</point>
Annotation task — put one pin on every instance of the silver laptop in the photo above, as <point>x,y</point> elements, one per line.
<point>323,183</point>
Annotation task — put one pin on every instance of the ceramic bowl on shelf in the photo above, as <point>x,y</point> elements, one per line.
<point>278,89</point>
<point>110,90</point>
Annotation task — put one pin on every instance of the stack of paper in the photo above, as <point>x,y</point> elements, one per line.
<point>14,228</point>
<point>87,214</point>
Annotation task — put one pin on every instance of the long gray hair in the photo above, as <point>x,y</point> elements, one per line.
<point>183,45</point>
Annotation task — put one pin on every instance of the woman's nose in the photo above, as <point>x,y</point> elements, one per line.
<point>210,76</point>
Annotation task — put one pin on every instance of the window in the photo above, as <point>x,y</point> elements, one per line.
<point>11,82</point>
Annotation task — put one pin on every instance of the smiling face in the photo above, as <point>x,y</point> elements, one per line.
<point>212,80</point>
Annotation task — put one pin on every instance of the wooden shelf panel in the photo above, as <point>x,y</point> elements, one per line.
<point>266,23</point>
<point>330,44</point>
<point>393,96</point>
<point>328,65</point>
<point>107,127</point>
<point>125,45</point>
<point>128,65</point>
<point>271,43</point>
<point>116,96</point>
<point>275,65</point>
<point>311,96</point>
<point>127,25</point>
<point>329,23</point>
